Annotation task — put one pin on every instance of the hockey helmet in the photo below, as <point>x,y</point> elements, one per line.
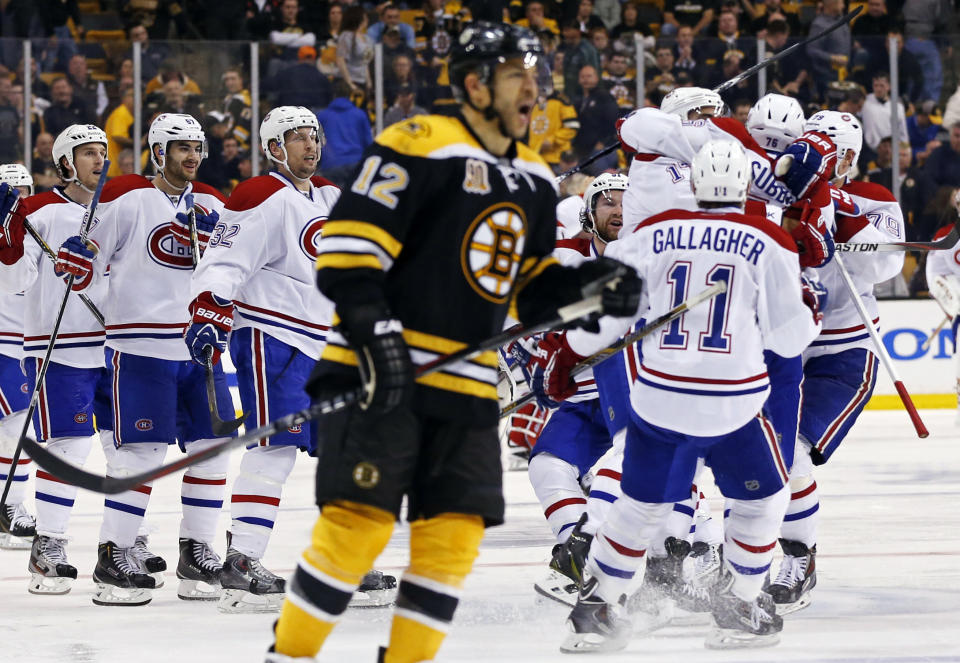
<point>71,138</point>
<point>775,121</point>
<point>680,101</point>
<point>483,44</point>
<point>16,174</point>
<point>846,133</point>
<point>168,127</point>
<point>720,173</point>
<point>601,185</point>
<point>282,119</point>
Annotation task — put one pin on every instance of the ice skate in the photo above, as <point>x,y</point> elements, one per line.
<point>248,586</point>
<point>594,624</point>
<point>652,606</point>
<point>376,590</point>
<point>17,527</point>
<point>274,657</point>
<point>119,578</point>
<point>49,571</point>
<point>705,560</point>
<point>797,576</point>
<point>740,624</point>
<point>151,564</point>
<point>566,567</point>
<point>199,570</point>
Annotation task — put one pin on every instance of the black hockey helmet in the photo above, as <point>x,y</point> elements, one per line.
<point>482,45</point>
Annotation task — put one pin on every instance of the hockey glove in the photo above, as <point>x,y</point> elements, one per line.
<point>12,232</point>
<point>210,324</point>
<point>557,381</point>
<point>814,296</point>
<point>180,227</point>
<point>533,354</point>
<point>76,257</point>
<point>843,203</point>
<point>807,162</point>
<point>526,424</point>
<point>385,365</point>
<point>814,241</point>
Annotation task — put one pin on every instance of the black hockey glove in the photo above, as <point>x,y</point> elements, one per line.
<point>621,298</point>
<point>385,365</point>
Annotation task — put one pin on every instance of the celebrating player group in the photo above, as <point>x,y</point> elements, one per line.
<point>119,300</point>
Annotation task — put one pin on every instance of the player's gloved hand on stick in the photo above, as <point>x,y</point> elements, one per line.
<point>807,162</point>
<point>557,381</point>
<point>814,296</point>
<point>12,232</point>
<point>385,364</point>
<point>210,325</point>
<point>814,239</point>
<point>76,257</point>
<point>843,202</point>
<point>534,354</point>
<point>180,227</point>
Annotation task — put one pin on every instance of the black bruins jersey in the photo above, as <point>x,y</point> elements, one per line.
<point>450,233</point>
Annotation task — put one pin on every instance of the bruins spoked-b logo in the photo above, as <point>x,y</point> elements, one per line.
<point>492,249</point>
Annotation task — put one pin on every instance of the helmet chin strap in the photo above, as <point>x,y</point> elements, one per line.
<point>169,183</point>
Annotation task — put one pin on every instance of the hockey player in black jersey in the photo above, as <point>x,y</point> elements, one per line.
<point>448,225</point>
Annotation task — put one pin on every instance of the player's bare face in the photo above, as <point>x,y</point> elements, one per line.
<point>844,164</point>
<point>88,160</point>
<point>515,93</point>
<point>609,215</point>
<point>182,161</point>
<point>702,112</point>
<point>303,151</point>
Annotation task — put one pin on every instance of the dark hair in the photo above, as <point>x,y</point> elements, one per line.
<point>352,18</point>
<point>882,73</point>
<point>778,27</point>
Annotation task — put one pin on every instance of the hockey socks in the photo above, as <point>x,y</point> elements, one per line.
<point>751,535</point>
<point>256,497</point>
<point>346,540</point>
<point>557,487</point>
<point>800,521</point>
<point>55,498</point>
<point>201,493</point>
<point>123,513</point>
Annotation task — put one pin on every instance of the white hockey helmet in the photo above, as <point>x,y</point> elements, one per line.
<point>720,173</point>
<point>282,119</point>
<point>775,121</point>
<point>680,101</point>
<point>600,185</point>
<point>71,138</point>
<point>16,174</point>
<point>168,127</point>
<point>844,130</point>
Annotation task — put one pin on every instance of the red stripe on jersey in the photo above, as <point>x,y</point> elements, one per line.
<point>204,482</point>
<point>623,550</point>
<point>739,131</point>
<point>755,549</point>
<point>681,378</point>
<point>21,461</point>
<point>562,503</point>
<point>256,499</point>
<point>847,330</point>
<point>146,490</point>
<point>282,316</point>
<point>31,204</point>
<point>870,190</point>
<point>806,491</point>
<point>200,187</point>
<point>581,245</point>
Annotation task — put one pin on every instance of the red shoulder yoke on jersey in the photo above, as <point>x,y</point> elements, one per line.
<point>579,244</point>
<point>200,187</point>
<point>869,190</point>
<point>123,184</point>
<point>318,182</point>
<point>254,191</point>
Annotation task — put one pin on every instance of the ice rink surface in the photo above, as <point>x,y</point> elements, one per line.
<point>888,577</point>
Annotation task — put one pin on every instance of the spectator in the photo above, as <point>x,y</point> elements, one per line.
<point>924,20</point>
<point>327,41</point>
<point>909,73</point>
<point>869,31</point>
<point>585,17</point>
<point>354,50</point>
<point>620,83</point>
<point>151,55</point>
<point>853,100</point>
<point>697,14</point>
<point>761,15</point>
<point>261,15</point>
<point>174,99</point>
<point>390,18</point>
<point>393,45</point>
<point>10,139</point>
<point>923,132</point>
<point>93,93</point>
<point>689,54</point>
<point>237,104</point>
<point>43,169</point>
<point>37,85</point>
<point>553,125</point>
<point>733,65</point>
<point>212,170</point>
<point>786,76</point>
<point>117,128</point>
<point>35,121</point>
<point>910,201</point>
<point>348,133</point>
<point>663,74</point>
<point>740,109</point>
<point>54,15</point>
<point>876,113</point>
<point>126,161</point>
<point>942,168</point>
<point>728,39</point>
<point>403,106</point>
<point>577,53</point>
<point>231,159</point>
<point>600,40</point>
<point>743,20</point>
<point>829,55</point>
<point>535,18</point>
<point>598,113</point>
<point>169,70</point>
<point>301,84</point>
<point>288,36</point>
<point>623,33</point>
<point>65,109</point>
<point>401,74</point>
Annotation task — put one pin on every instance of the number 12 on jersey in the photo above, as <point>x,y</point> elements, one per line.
<point>715,338</point>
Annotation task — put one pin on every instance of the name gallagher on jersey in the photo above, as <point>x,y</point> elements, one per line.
<point>706,238</point>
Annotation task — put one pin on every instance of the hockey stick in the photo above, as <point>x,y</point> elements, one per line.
<point>948,241</point>
<point>111,485</point>
<point>881,351</point>
<point>926,343</point>
<point>602,355</point>
<point>53,258</point>
<point>42,369</point>
<point>219,427</point>
<point>840,22</point>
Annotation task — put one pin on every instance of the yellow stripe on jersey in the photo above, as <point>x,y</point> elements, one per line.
<point>460,385</point>
<point>348,261</point>
<point>340,355</point>
<point>364,230</point>
<point>445,346</point>
<point>533,266</point>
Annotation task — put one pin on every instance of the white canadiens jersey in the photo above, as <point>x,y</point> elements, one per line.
<point>570,253</point>
<point>80,337</point>
<point>704,374</point>
<point>660,170</point>
<point>262,256</point>
<point>943,263</point>
<point>568,217</point>
<point>880,220</point>
<point>146,311</point>
<point>11,324</point>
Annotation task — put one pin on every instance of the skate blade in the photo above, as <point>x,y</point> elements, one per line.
<point>158,579</point>
<point>558,587</point>
<point>238,601</point>
<point>683,617</point>
<point>591,643</point>
<point>12,542</point>
<point>799,604</point>
<point>727,638</point>
<point>374,598</point>
<point>121,596</point>
<point>196,590</point>
<point>45,585</point>
<point>648,621</point>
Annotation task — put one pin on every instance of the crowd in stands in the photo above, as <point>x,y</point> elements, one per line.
<point>319,54</point>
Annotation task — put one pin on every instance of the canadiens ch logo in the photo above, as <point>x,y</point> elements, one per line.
<point>80,417</point>
<point>144,424</point>
<point>310,236</point>
<point>164,250</point>
<point>491,251</point>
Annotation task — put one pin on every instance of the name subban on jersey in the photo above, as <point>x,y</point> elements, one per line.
<point>213,316</point>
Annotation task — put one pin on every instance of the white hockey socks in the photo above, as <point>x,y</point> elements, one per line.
<point>54,497</point>
<point>751,535</point>
<point>123,513</point>
<point>10,427</point>
<point>803,511</point>
<point>256,497</point>
<point>557,487</point>
<point>201,493</point>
